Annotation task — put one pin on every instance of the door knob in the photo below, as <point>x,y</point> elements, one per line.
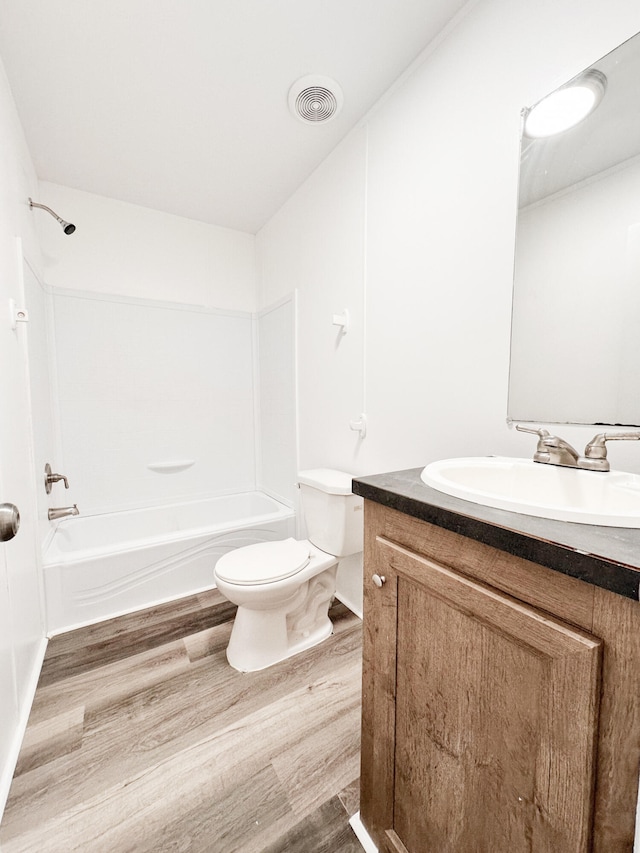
<point>378,580</point>
<point>9,521</point>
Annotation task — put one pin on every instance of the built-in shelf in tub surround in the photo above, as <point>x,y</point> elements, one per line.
<point>608,557</point>
<point>171,466</point>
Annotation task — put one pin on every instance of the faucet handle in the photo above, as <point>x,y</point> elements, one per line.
<point>597,449</point>
<point>50,478</point>
<point>552,449</point>
<point>541,433</point>
<point>541,454</point>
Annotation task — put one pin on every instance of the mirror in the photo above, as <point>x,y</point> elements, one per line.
<point>575,335</point>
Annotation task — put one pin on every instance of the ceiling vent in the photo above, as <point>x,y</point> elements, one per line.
<point>315,99</point>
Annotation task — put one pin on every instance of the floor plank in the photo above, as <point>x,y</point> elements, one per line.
<point>323,831</point>
<point>79,651</point>
<point>160,745</point>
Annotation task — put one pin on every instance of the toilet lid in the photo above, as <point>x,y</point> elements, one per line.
<point>265,562</point>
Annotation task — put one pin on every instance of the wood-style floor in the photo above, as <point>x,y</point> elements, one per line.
<point>142,738</point>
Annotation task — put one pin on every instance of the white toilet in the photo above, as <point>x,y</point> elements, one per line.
<point>283,589</point>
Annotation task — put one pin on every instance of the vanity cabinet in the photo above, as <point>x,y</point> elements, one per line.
<point>500,699</point>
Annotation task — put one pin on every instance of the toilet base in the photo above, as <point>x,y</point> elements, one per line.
<point>261,638</point>
<point>256,658</point>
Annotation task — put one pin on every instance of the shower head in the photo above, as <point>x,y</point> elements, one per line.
<point>67,227</point>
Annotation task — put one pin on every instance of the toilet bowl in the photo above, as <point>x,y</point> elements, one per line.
<point>284,589</point>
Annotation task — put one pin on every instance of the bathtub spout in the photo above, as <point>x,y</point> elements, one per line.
<point>62,511</point>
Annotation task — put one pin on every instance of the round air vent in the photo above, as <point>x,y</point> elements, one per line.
<point>315,99</point>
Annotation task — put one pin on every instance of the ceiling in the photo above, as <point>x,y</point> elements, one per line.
<point>181,105</point>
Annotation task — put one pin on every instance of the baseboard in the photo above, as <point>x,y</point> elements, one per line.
<point>6,776</point>
<point>361,834</point>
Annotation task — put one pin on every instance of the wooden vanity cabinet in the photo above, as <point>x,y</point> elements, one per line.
<point>500,700</point>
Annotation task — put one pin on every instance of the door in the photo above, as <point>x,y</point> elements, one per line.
<point>21,611</point>
<point>488,743</point>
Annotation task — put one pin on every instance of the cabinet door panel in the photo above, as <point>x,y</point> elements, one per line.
<point>496,717</point>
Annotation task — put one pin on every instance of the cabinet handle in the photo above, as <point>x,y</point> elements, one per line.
<point>378,580</point>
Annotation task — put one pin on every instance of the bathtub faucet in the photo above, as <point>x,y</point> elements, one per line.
<point>62,511</point>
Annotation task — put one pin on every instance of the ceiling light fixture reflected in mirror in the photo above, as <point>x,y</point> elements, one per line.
<point>567,106</point>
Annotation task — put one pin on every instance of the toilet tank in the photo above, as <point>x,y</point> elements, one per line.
<point>333,514</point>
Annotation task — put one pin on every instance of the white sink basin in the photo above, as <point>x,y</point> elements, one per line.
<point>611,499</point>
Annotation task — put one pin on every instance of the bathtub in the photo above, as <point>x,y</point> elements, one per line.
<point>100,566</point>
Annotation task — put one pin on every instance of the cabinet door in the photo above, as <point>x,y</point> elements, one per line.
<point>480,719</point>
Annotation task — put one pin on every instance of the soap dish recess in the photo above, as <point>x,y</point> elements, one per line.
<point>171,466</point>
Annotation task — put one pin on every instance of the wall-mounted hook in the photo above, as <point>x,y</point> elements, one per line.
<point>343,320</point>
<point>359,425</point>
<point>17,315</point>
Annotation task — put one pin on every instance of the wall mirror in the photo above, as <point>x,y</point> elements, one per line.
<point>575,335</point>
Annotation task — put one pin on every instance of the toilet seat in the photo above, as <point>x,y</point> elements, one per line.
<point>265,562</point>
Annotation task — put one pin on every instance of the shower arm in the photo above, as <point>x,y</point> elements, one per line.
<point>67,227</point>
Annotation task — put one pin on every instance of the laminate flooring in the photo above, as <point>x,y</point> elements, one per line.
<point>142,738</point>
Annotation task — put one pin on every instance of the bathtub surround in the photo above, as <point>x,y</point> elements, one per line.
<point>156,382</point>
<point>142,738</point>
<point>42,375</point>
<point>159,384</point>
<point>275,370</point>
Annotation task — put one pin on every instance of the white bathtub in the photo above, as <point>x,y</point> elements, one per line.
<point>100,566</point>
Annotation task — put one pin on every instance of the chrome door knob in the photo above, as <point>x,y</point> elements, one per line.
<point>9,521</point>
<point>378,580</point>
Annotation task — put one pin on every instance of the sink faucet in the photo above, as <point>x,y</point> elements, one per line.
<point>553,450</point>
<point>62,512</point>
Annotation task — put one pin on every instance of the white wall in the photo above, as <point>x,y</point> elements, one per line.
<point>315,245</point>
<point>413,216</point>
<point>121,248</point>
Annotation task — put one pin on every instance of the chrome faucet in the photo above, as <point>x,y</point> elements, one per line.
<point>62,512</point>
<point>553,450</point>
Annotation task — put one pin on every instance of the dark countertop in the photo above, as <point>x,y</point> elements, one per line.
<point>608,557</point>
